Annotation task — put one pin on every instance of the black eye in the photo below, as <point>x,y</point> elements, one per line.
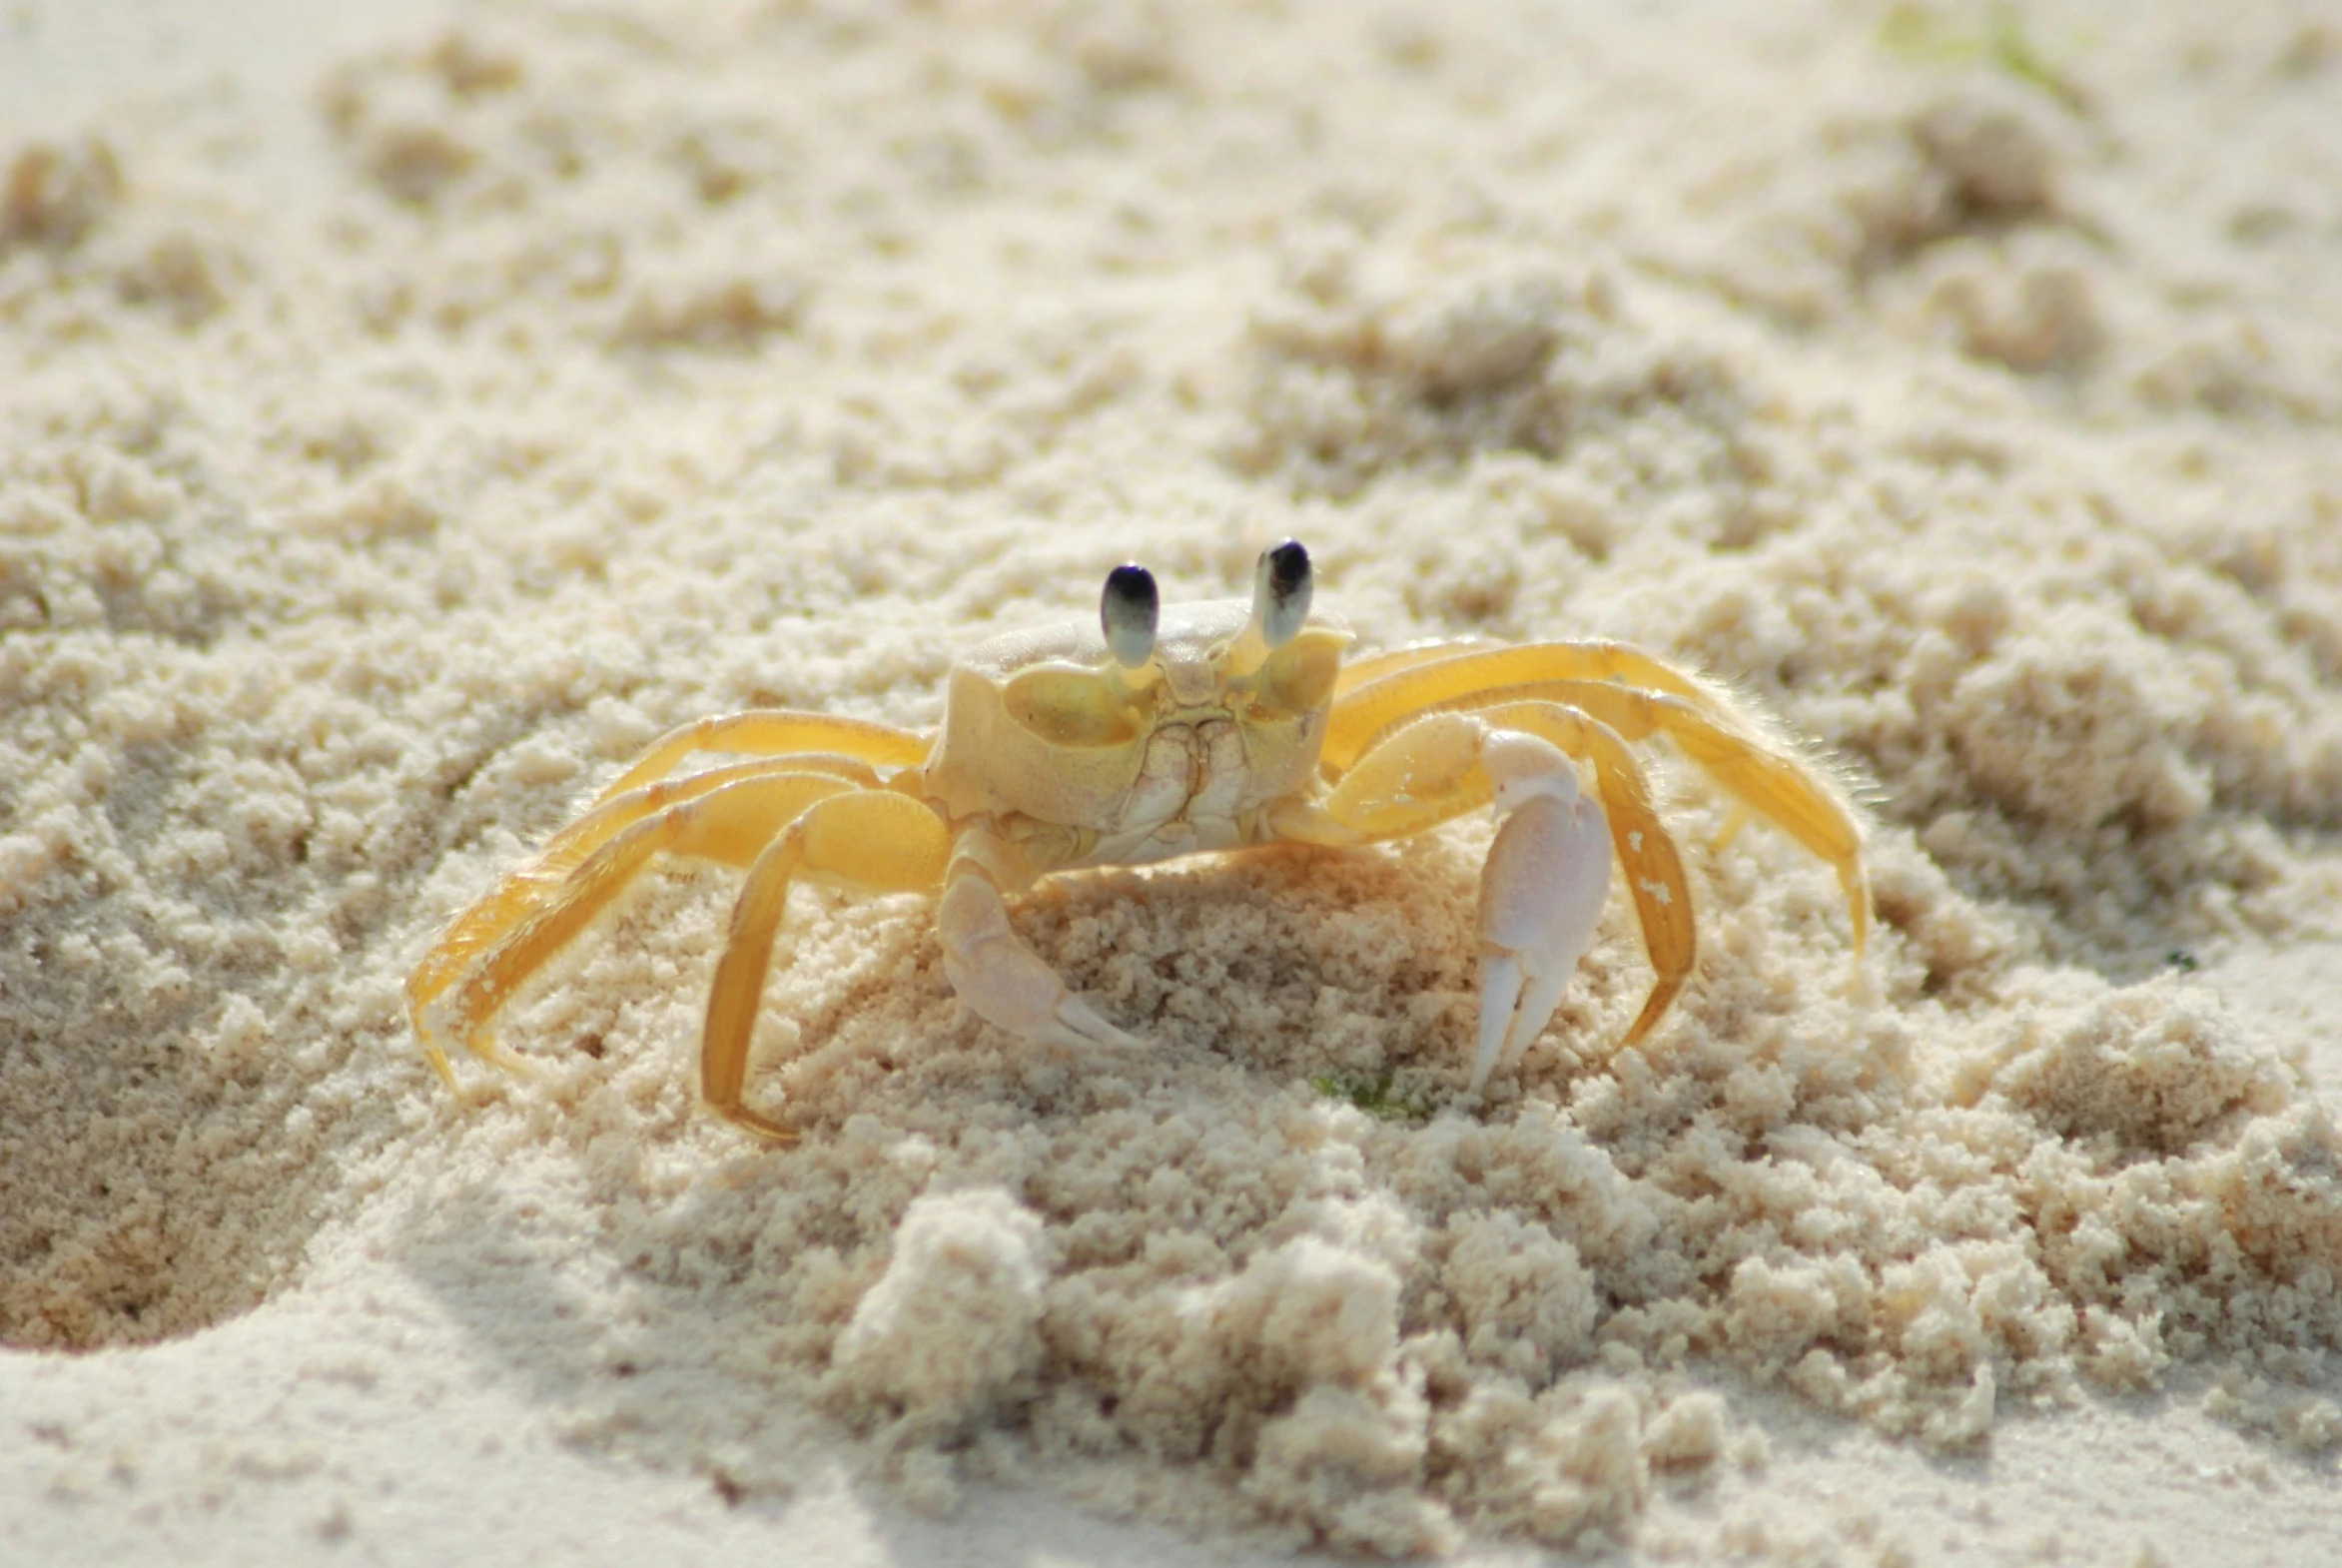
<point>1129,612</point>
<point>1281,588</point>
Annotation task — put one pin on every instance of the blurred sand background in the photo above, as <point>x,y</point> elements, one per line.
<point>406,414</point>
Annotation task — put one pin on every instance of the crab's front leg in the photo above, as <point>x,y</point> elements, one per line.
<point>865,840</point>
<point>1003,980</point>
<point>1548,873</point>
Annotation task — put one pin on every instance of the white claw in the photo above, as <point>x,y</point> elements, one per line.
<point>1500,994</point>
<point>1537,1005</point>
<point>1004,982</point>
<point>1084,1025</point>
<point>1541,895</point>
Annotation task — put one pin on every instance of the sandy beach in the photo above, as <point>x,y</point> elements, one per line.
<point>408,414</point>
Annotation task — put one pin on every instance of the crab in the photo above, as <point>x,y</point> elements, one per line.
<point>1144,736</point>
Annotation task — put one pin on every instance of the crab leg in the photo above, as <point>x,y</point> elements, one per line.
<point>495,947</point>
<point>1374,666</point>
<point>1002,980</point>
<point>869,841</point>
<point>1547,873</point>
<point>1396,691</point>
<point>524,890</point>
<point>774,732</point>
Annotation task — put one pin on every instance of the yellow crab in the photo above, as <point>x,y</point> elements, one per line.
<point>1214,726</point>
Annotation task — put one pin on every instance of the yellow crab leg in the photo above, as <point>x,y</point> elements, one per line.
<point>1387,697</point>
<point>1798,798</point>
<point>869,841</point>
<point>488,954</point>
<point>520,891</point>
<point>612,811</point>
<point>774,733</point>
<point>1374,666</point>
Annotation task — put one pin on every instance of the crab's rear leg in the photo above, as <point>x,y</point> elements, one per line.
<point>775,733</point>
<point>539,880</point>
<point>492,949</point>
<point>1779,787</point>
<point>1382,691</point>
<point>849,752</point>
<point>1549,870</point>
<point>869,841</point>
<point>1369,668</point>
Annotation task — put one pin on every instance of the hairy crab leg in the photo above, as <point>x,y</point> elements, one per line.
<point>774,732</point>
<point>1372,668</point>
<point>1540,898</point>
<point>490,959</point>
<point>869,841</point>
<point>1798,798</point>
<point>523,890</point>
<point>1388,698</point>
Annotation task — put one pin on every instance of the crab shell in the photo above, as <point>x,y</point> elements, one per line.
<point>1045,724</point>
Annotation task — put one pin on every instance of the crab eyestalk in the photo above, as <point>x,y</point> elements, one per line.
<point>1281,586</point>
<point>1129,611</point>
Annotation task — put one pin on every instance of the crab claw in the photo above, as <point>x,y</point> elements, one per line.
<point>1005,983</point>
<point>1541,894</point>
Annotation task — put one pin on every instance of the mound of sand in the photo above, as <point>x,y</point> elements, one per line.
<point>1966,397</point>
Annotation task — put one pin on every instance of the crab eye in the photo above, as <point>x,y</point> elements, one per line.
<point>1071,707</point>
<point>1281,586</point>
<point>1129,612</point>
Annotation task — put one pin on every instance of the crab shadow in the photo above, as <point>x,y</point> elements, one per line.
<point>669,1292</point>
<point>680,1382</point>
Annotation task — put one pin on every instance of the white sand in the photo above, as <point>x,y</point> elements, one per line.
<point>375,481</point>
